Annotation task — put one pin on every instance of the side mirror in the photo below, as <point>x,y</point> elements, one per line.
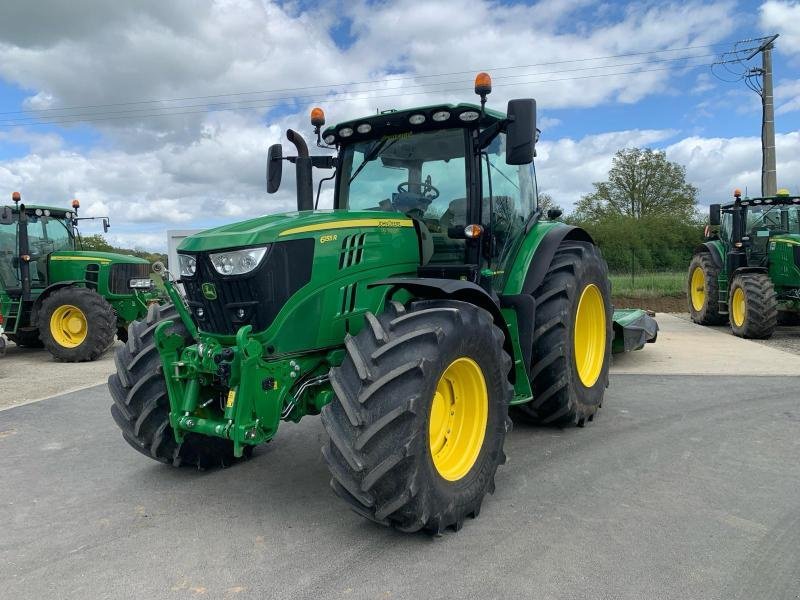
<point>6,216</point>
<point>520,131</point>
<point>553,213</point>
<point>274,168</point>
<point>106,225</point>
<point>714,215</point>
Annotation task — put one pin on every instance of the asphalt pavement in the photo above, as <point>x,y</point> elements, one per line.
<point>683,487</point>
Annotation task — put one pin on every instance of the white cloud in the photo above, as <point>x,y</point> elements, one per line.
<point>782,17</point>
<point>718,165</point>
<point>787,96</point>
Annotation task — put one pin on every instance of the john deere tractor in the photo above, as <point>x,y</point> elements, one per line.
<point>432,299</point>
<point>748,272</point>
<point>55,295</point>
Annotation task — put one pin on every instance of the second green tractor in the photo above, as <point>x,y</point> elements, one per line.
<point>433,301</point>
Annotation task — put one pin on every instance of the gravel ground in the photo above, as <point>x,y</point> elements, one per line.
<point>784,338</point>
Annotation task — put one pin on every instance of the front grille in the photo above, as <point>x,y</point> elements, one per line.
<point>796,256</point>
<point>260,294</point>
<point>122,273</point>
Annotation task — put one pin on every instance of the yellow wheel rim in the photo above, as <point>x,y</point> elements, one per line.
<point>459,413</point>
<point>697,288</point>
<point>590,335</point>
<point>68,326</point>
<point>738,307</point>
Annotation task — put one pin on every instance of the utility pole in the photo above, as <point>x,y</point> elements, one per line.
<point>769,177</point>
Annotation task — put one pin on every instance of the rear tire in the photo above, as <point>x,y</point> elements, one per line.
<point>141,405</point>
<point>386,458</point>
<point>563,393</point>
<point>702,293</point>
<point>95,329</point>
<point>753,306</point>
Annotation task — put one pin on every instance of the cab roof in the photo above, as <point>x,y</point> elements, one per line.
<point>397,122</point>
<point>52,209</point>
<point>768,200</point>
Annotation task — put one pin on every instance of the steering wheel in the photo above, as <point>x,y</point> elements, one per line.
<point>429,191</point>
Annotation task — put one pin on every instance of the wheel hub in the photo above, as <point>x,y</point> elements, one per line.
<point>458,417</point>
<point>590,335</point>
<point>68,326</point>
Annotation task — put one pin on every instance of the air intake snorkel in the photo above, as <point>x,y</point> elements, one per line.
<point>302,165</point>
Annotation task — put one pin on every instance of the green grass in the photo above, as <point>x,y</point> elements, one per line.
<point>648,285</point>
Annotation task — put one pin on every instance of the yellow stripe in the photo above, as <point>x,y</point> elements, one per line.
<point>785,241</point>
<point>97,258</point>
<point>388,223</point>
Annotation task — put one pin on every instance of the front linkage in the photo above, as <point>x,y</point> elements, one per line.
<point>254,395</point>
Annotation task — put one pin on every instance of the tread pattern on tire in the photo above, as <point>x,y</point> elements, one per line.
<point>141,405</point>
<point>559,398</point>
<point>761,306</point>
<point>709,315</point>
<point>377,421</point>
<point>100,316</point>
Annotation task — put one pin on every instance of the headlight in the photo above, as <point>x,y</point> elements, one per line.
<point>238,262</point>
<point>188,264</point>
<point>140,284</point>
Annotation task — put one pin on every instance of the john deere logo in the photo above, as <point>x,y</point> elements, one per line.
<point>209,291</point>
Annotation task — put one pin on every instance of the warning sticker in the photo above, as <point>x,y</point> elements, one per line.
<point>231,398</point>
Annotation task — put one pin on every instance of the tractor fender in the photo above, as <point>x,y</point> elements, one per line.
<point>712,248</point>
<point>546,250</point>
<point>452,289</point>
<point>37,304</point>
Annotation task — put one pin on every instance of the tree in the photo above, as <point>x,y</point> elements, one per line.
<point>641,183</point>
<point>546,202</point>
<point>97,243</point>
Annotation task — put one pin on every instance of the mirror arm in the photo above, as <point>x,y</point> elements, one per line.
<point>487,135</point>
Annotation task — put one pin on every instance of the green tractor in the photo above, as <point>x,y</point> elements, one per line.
<point>748,272</point>
<point>432,299</point>
<point>55,295</point>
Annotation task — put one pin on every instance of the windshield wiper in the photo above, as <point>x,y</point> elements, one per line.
<point>371,155</point>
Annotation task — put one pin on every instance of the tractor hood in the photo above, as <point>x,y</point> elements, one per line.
<point>788,238</point>
<point>92,256</point>
<point>292,225</point>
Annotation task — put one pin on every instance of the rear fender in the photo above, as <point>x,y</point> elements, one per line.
<point>537,252</point>
<point>714,248</point>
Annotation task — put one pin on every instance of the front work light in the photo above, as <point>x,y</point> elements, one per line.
<point>141,284</point>
<point>188,264</point>
<point>238,262</point>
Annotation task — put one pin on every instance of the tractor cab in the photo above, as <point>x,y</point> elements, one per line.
<point>47,230</point>
<point>755,231</point>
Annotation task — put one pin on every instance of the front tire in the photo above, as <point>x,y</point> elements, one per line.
<point>141,405</point>
<point>76,324</point>
<point>702,293</point>
<point>572,338</point>
<point>420,415</point>
<point>753,306</point>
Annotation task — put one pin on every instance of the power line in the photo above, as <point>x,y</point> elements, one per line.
<point>351,98</point>
<point>388,79</point>
<point>134,112</point>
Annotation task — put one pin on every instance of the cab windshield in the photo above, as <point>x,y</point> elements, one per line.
<point>419,175</point>
<point>773,219</point>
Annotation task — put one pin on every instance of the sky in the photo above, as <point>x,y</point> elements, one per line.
<point>159,114</point>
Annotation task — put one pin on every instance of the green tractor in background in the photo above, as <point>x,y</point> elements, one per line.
<point>55,295</point>
<point>432,299</point>
<point>748,273</point>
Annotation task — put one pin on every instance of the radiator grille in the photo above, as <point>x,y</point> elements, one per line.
<point>253,299</point>
<point>122,273</point>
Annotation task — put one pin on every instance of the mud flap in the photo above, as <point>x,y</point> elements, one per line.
<point>633,328</point>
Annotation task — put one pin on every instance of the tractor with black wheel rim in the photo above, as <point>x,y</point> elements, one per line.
<point>434,298</point>
<point>55,294</point>
<point>748,272</point>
